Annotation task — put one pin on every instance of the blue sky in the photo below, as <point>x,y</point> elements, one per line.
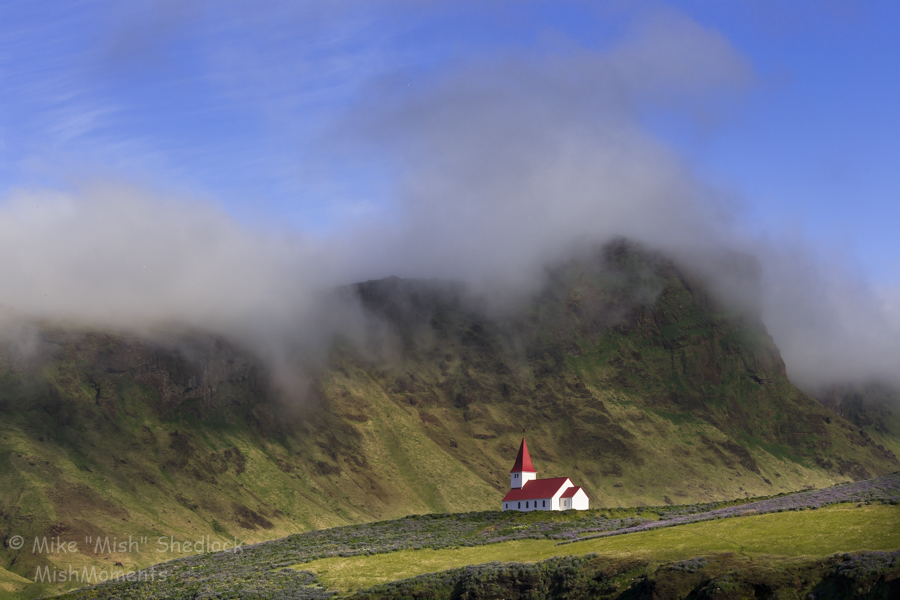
<point>814,146</point>
<point>228,101</point>
<point>153,153</point>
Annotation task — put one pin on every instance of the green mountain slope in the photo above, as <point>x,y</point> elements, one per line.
<point>873,408</point>
<point>626,374</point>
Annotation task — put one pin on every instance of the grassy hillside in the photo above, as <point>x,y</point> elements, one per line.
<point>772,539</point>
<point>108,437</point>
<point>626,374</point>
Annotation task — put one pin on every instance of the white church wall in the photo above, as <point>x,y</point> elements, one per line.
<point>529,505</point>
<point>580,500</point>
<point>557,501</point>
<point>520,478</point>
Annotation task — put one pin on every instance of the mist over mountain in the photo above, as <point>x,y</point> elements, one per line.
<point>499,167</point>
<point>625,369</point>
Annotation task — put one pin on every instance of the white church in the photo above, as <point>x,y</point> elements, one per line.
<point>528,493</point>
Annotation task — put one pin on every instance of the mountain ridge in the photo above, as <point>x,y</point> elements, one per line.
<point>627,374</point>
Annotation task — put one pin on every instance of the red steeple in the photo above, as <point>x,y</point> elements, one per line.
<point>523,460</point>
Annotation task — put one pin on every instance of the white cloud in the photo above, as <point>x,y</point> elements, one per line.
<point>501,165</point>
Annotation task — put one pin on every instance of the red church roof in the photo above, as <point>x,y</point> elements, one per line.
<point>536,489</point>
<point>569,493</point>
<point>523,460</point>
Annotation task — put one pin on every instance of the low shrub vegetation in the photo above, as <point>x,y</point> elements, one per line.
<point>280,569</point>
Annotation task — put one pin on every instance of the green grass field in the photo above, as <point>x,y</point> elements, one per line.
<point>788,534</point>
<point>15,587</point>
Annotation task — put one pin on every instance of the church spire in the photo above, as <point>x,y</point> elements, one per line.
<point>523,471</point>
<point>523,460</point>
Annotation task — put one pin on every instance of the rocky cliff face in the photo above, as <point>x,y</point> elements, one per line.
<point>624,368</point>
<point>179,370</point>
<point>873,409</point>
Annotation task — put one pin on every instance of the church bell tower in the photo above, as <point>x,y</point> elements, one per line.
<point>522,470</point>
